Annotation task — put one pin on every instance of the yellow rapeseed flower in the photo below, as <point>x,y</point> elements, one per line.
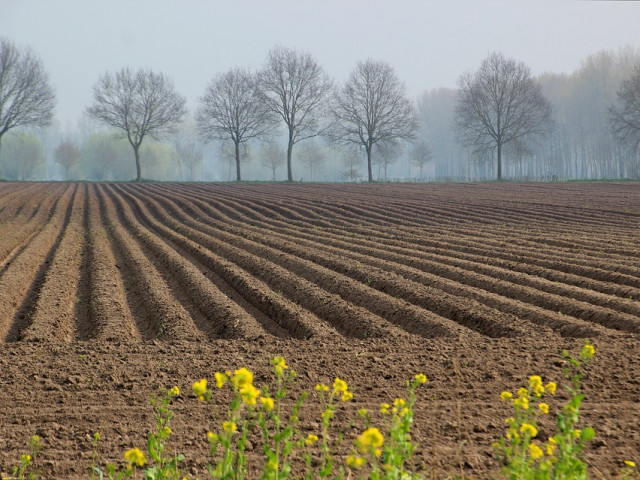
<point>355,461</point>
<point>421,378</point>
<point>135,457</point>
<point>230,427</point>
<point>249,394</point>
<point>523,392</point>
<point>327,414</point>
<point>509,420</point>
<point>346,396</point>
<point>522,402</point>
<point>535,451</point>
<point>550,446</point>
<point>321,387</point>
<point>212,437</point>
<point>25,458</point>
<point>630,464</point>
<point>588,351</point>
<point>544,408</point>
<point>363,412</point>
<point>384,408</point>
<point>242,378</point>
<point>370,438</point>
<point>551,387</point>
<point>311,439</point>
<point>200,388</point>
<point>340,385</point>
<point>535,380</point>
<point>279,365</point>
<point>221,379</point>
<point>175,391</point>
<point>538,390</point>
<point>399,403</point>
<point>530,429</point>
<point>577,432</point>
<point>267,403</point>
<point>504,396</point>
<point>166,431</point>
<point>405,411</point>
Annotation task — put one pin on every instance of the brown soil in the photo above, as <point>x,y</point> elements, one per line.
<point>110,293</point>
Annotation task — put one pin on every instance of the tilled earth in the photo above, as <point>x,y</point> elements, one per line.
<point>111,292</point>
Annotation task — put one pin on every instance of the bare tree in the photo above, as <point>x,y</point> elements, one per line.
<point>420,154</point>
<point>26,97</point>
<point>232,109</point>
<point>313,157</point>
<point>499,104</point>
<point>188,153</point>
<point>350,160</point>
<point>372,107</point>
<point>272,156</point>
<point>67,155</point>
<point>625,116</point>
<point>140,104</point>
<point>295,88</point>
<point>227,152</point>
<point>386,154</point>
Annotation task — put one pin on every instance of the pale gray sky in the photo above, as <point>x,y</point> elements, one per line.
<point>429,43</point>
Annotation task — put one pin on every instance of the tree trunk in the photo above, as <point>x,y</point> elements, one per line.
<point>238,161</point>
<point>0,157</point>
<point>499,161</point>
<point>369,148</point>
<point>137,154</point>
<point>289,152</point>
<point>273,174</point>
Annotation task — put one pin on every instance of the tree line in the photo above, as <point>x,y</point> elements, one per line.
<point>501,121</point>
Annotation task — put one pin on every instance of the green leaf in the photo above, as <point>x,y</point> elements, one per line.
<point>588,434</point>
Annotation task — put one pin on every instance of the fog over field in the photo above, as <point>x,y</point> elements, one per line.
<point>579,52</point>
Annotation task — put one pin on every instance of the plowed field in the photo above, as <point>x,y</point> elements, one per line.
<point>110,292</point>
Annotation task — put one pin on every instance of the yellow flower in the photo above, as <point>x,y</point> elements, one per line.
<point>221,378</point>
<point>588,351</point>
<point>530,429</point>
<point>135,457</point>
<point>279,365</point>
<point>630,464</point>
<point>523,392</point>
<point>242,378</point>
<point>544,408</point>
<point>363,412</point>
<point>327,414</point>
<point>166,431</point>
<point>404,411</point>
<point>321,387</point>
<point>551,387</point>
<point>509,420</point>
<point>551,446</point>
<point>577,432</point>
<point>230,427</point>
<point>535,380</point>
<point>212,437</point>
<point>377,452</point>
<point>249,394</point>
<point>355,462</point>
<point>200,388</point>
<point>25,458</point>
<point>522,402</point>
<point>535,451</point>
<point>384,408</point>
<point>421,378</point>
<point>272,464</point>
<point>346,396</point>
<point>311,439</point>
<point>370,438</point>
<point>504,396</point>
<point>538,390</point>
<point>267,403</point>
<point>339,385</point>
<point>175,391</point>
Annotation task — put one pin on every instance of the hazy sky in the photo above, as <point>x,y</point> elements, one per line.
<point>429,43</point>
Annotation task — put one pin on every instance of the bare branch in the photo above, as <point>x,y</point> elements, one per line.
<point>372,107</point>
<point>499,104</point>
<point>140,104</point>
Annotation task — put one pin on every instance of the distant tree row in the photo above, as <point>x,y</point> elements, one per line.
<point>501,122</point>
